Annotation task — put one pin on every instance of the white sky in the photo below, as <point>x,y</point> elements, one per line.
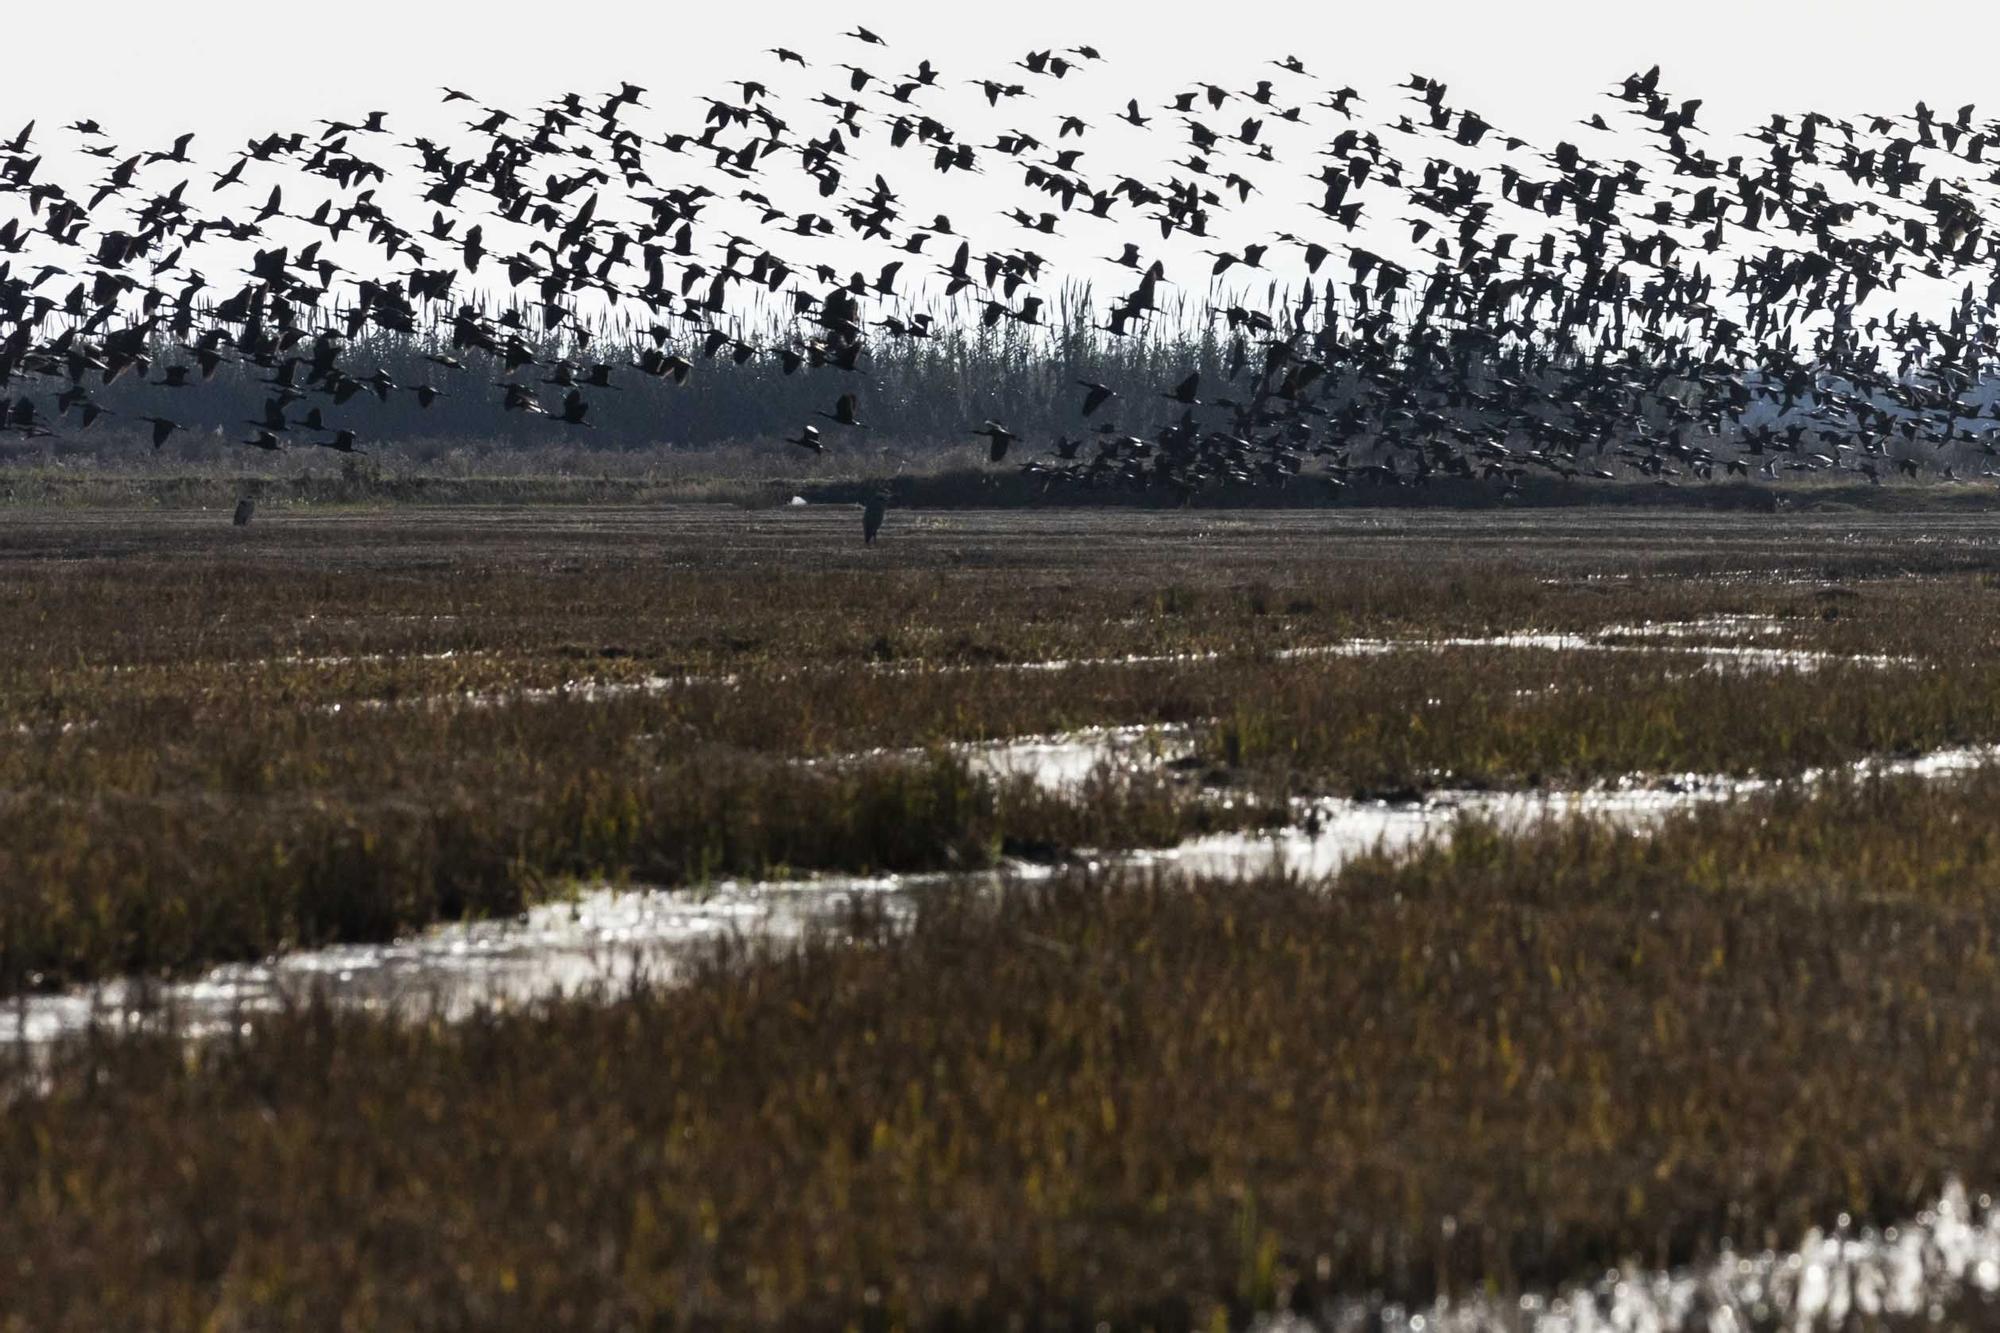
<point>237,66</point>
<point>231,69</point>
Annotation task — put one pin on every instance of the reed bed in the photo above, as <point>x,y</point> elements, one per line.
<point>222,745</point>
<point>1131,1101</point>
<point>1124,1099</point>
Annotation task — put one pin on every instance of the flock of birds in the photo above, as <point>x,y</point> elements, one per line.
<point>1628,305</point>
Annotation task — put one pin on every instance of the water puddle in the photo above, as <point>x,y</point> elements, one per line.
<point>1663,637</point>
<point>1834,1279</point>
<point>1058,763</point>
<point>1703,627</point>
<point>1334,832</point>
<point>580,691</point>
<point>1617,639</point>
<point>1331,833</point>
<point>602,940</point>
<point>1064,762</point>
<point>606,939</point>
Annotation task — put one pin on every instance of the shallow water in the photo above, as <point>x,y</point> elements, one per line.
<point>1659,637</point>
<point>606,939</point>
<point>1834,1279</point>
<point>601,941</point>
<point>1622,639</point>
<point>1331,833</point>
<point>1065,762</point>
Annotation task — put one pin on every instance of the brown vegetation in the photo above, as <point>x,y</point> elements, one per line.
<point>1134,1099</point>
<point>341,728</point>
<point>1122,1097</point>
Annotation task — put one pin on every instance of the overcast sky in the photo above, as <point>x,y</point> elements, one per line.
<point>231,69</point>
<point>234,66</point>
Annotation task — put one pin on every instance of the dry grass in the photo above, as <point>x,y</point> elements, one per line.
<point>1138,1100</point>
<point>229,743</point>
<point>1134,1100</point>
<point>1511,718</point>
<point>169,882</point>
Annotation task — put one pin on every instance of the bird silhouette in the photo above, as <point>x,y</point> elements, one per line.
<point>1450,303</point>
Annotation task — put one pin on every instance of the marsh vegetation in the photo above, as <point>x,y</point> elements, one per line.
<point>1145,1097</point>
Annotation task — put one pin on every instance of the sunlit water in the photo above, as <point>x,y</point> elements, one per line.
<point>1333,832</point>
<point>599,942</point>
<point>606,939</point>
<point>603,940</point>
<point>1835,1279</point>
<point>1693,639</point>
